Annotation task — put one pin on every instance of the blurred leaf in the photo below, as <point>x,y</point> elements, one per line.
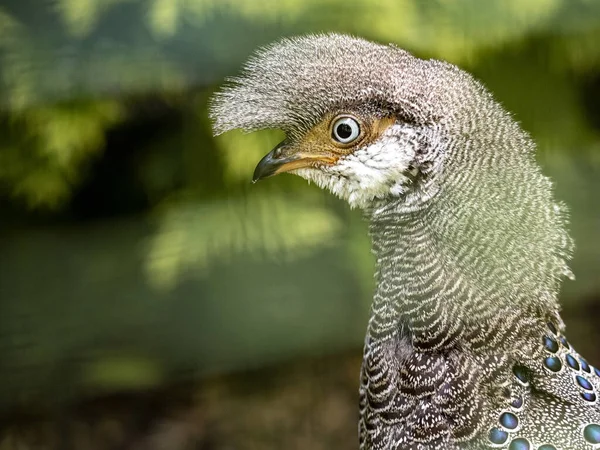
<point>68,133</point>
<point>42,150</point>
<point>164,17</point>
<point>81,16</point>
<point>121,372</point>
<point>9,29</point>
<point>192,236</point>
<point>242,151</point>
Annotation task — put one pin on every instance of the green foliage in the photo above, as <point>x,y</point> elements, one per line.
<point>121,372</point>
<point>241,152</point>
<point>43,150</point>
<point>81,16</point>
<point>264,225</point>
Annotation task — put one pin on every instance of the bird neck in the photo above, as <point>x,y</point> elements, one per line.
<point>477,265</point>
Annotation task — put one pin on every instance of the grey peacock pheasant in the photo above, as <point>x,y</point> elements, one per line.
<point>465,346</point>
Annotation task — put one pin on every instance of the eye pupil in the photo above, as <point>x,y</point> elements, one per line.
<point>344,130</point>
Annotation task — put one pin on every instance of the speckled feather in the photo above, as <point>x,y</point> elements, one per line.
<point>465,346</point>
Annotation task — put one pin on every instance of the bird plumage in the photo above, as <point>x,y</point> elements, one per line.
<point>465,346</point>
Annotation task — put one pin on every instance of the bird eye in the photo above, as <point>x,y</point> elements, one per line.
<point>345,130</point>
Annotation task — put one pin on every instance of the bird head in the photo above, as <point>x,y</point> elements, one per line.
<point>364,120</point>
<point>456,201</point>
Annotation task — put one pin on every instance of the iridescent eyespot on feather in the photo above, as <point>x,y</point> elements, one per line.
<point>584,365</point>
<point>509,421</point>
<point>583,383</point>
<point>588,396</point>
<point>564,342</point>
<point>497,436</point>
<point>519,444</point>
<point>553,364</point>
<point>521,375</point>
<point>571,362</point>
<point>517,403</point>
<point>550,344</point>
<point>591,433</point>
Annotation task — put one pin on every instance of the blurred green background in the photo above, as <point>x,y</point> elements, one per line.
<point>150,296</point>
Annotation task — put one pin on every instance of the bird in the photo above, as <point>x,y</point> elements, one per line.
<point>465,347</point>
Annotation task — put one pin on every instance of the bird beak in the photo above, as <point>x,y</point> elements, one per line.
<point>285,158</point>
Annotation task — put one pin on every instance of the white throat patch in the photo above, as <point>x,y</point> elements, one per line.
<point>376,171</point>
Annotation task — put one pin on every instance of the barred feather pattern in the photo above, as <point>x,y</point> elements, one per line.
<point>467,285</point>
<point>465,347</point>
